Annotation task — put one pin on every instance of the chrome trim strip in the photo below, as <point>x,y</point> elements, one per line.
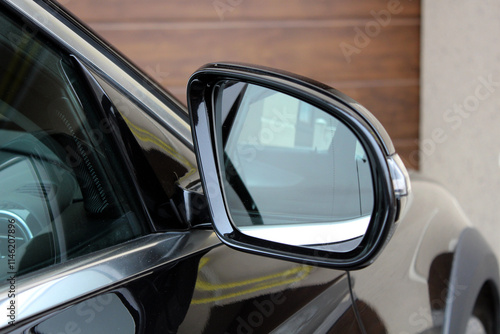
<point>400,178</point>
<point>86,52</point>
<point>54,286</point>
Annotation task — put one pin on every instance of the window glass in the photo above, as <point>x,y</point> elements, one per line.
<point>64,189</point>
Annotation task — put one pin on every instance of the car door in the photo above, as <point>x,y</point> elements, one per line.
<point>98,235</point>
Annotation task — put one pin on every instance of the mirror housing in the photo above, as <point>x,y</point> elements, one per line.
<point>390,181</point>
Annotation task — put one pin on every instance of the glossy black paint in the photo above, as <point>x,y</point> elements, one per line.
<point>122,136</point>
<point>201,101</point>
<point>173,299</point>
<point>155,202</point>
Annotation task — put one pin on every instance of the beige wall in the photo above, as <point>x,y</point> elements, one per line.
<point>460,106</point>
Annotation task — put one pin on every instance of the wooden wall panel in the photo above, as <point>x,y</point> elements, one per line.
<point>170,39</point>
<point>182,11</point>
<point>313,52</point>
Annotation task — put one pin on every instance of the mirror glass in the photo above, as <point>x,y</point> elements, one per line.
<point>291,172</point>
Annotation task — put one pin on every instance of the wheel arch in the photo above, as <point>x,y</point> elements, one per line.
<point>474,267</point>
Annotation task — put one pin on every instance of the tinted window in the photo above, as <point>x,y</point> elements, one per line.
<point>65,191</point>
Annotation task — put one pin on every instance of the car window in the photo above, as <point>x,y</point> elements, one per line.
<point>169,159</point>
<point>64,189</point>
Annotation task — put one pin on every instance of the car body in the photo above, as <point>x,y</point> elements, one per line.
<point>111,229</point>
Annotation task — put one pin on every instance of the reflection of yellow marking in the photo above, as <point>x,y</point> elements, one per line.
<point>207,286</point>
<point>299,273</point>
<point>203,262</point>
<point>146,136</point>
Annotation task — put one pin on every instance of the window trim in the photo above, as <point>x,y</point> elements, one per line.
<point>34,292</point>
<point>77,39</point>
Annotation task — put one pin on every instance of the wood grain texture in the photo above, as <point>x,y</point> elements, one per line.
<point>217,10</point>
<point>170,39</point>
<point>312,52</point>
<point>385,103</point>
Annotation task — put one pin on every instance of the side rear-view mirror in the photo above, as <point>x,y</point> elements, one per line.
<point>292,168</point>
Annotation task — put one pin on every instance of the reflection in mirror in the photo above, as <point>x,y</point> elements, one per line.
<point>292,173</point>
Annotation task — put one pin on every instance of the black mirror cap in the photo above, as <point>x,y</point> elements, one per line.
<point>391,182</point>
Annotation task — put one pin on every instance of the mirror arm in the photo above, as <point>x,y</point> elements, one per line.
<point>192,206</point>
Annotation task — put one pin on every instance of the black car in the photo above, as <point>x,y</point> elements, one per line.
<point>116,203</point>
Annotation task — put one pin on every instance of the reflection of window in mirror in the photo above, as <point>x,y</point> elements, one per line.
<point>269,121</point>
<point>279,120</point>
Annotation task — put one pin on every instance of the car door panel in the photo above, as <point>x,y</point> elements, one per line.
<point>413,271</point>
<point>195,295</point>
<point>237,292</point>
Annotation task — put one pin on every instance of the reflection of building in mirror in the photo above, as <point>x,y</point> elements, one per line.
<point>293,173</point>
<point>279,120</point>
